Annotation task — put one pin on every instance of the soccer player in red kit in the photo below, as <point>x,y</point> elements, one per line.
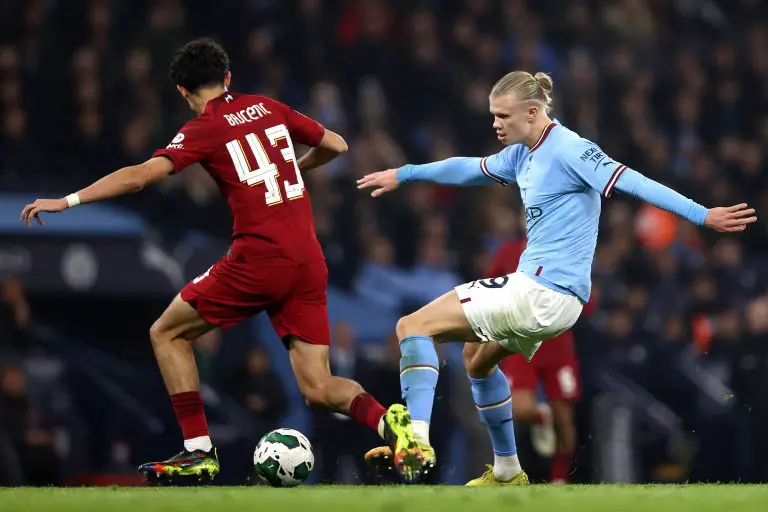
<point>275,263</point>
<point>556,367</point>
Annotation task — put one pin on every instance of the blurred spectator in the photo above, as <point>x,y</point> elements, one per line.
<point>257,388</point>
<point>206,349</point>
<point>14,317</point>
<point>28,453</point>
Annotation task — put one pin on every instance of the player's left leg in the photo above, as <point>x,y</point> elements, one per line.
<point>172,335</point>
<point>493,400</point>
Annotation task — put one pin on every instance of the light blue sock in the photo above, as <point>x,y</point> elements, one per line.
<point>494,403</point>
<point>419,369</point>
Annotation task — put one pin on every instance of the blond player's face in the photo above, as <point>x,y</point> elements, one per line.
<point>511,118</point>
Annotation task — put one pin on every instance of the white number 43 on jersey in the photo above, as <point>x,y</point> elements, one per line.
<point>266,171</point>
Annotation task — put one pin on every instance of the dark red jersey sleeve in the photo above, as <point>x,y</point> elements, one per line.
<point>303,129</point>
<point>190,145</point>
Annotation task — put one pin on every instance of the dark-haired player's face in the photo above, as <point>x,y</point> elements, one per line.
<point>511,118</point>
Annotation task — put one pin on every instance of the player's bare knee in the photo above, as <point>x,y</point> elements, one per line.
<point>315,395</point>
<point>158,334</point>
<point>313,388</point>
<point>405,327</point>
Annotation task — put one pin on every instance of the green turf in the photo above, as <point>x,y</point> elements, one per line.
<point>592,498</point>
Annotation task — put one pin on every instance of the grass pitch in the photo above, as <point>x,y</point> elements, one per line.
<point>576,498</point>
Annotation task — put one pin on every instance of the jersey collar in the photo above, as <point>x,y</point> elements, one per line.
<point>225,97</point>
<point>544,136</point>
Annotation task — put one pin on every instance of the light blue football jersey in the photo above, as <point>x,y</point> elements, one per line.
<point>561,180</point>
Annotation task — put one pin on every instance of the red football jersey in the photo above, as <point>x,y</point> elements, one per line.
<point>245,142</point>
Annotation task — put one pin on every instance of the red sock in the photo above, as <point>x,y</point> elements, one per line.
<point>561,466</point>
<point>188,407</point>
<point>367,411</point>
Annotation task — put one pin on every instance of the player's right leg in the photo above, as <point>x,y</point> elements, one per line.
<point>302,322</point>
<point>172,335</point>
<point>441,320</point>
<point>321,389</point>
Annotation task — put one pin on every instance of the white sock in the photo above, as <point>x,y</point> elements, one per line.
<point>380,428</point>
<point>421,432</point>
<point>198,443</point>
<point>506,467</point>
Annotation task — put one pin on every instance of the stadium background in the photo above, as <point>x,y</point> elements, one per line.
<point>674,357</point>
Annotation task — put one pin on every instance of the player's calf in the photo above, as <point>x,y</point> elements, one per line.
<point>565,431</point>
<point>171,337</point>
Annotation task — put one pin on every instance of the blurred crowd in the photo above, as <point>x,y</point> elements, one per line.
<point>676,90</point>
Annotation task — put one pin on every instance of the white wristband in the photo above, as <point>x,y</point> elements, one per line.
<point>73,200</point>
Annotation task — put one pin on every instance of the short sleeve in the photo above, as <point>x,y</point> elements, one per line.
<point>189,146</point>
<point>502,166</point>
<point>303,129</point>
<point>586,162</point>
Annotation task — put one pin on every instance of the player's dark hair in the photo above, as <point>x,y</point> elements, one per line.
<point>199,63</point>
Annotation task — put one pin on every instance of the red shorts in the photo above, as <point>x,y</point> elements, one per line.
<point>237,288</point>
<point>554,364</point>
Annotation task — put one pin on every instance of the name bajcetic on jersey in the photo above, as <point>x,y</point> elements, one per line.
<point>247,115</point>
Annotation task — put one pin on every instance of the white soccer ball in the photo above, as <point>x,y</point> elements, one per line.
<point>284,458</point>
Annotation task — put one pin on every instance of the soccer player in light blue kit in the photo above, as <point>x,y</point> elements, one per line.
<point>562,179</point>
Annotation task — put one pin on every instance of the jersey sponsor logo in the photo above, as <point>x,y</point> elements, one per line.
<point>533,213</point>
<point>593,155</point>
<point>247,115</point>
<point>176,142</point>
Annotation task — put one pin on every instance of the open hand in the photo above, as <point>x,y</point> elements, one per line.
<point>32,211</point>
<point>731,219</point>
<point>381,182</point>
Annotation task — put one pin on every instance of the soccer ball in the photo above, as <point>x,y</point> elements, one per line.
<point>284,458</point>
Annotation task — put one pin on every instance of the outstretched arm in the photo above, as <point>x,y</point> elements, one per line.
<point>461,171</point>
<point>588,164</point>
<point>661,196</point>
<point>727,220</point>
<point>330,146</point>
<point>123,181</point>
